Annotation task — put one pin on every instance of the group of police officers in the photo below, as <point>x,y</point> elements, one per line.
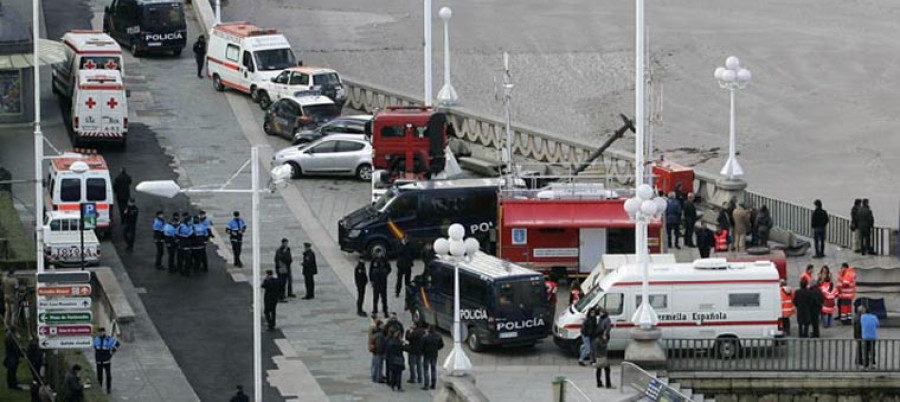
<point>186,237</point>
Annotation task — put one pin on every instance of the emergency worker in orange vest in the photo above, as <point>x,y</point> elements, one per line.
<point>807,275</point>
<point>830,292</point>
<point>846,293</point>
<point>721,237</point>
<point>787,307</point>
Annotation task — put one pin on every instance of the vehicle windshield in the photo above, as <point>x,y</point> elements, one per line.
<point>274,59</point>
<point>324,110</point>
<point>330,78</point>
<point>520,296</point>
<point>585,300</point>
<point>163,16</point>
<point>385,199</point>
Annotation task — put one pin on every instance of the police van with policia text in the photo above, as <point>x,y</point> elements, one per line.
<point>501,304</point>
<point>147,26</point>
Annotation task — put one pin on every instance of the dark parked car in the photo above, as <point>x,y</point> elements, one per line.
<point>342,125</point>
<point>295,113</point>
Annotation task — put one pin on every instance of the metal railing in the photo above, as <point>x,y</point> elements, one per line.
<point>645,383</point>
<point>792,354</point>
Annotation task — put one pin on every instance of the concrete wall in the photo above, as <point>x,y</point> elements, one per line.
<point>459,389</point>
<point>794,387</point>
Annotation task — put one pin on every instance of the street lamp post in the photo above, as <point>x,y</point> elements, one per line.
<point>280,176</point>
<point>38,142</point>
<point>732,77</point>
<point>456,249</point>
<point>447,95</point>
<point>427,52</point>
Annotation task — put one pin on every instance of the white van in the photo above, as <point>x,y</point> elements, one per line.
<point>77,178</point>
<point>99,108</point>
<point>85,50</point>
<point>611,262</point>
<point>240,55</point>
<point>707,299</point>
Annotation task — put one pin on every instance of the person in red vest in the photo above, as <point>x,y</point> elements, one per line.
<point>575,293</point>
<point>721,237</point>
<point>807,275</point>
<point>846,293</point>
<point>787,307</point>
<point>830,292</point>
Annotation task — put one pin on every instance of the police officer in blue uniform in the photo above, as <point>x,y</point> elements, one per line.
<point>171,243</point>
<point>104,348</point>
<point>159,224</point>
<point>184,233</point>
<point>207,234</point>
<point>235,229</point>
<point>198,244</point>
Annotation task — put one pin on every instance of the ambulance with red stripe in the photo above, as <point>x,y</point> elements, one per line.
<point>77,178</point>
<point>713,299</point>
<point>85,50</point>
<point>99,108</point>
<point>240,55</point>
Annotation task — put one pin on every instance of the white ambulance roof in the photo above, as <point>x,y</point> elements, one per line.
<point>100,79</point>
<point>706,270</point>
<point>267,42</point>
<point>253,36</point>
<point>91,42</point>
<point>491,267</point>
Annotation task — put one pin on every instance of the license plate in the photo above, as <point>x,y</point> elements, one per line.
<point>507,335</point>
<point>151,44</point>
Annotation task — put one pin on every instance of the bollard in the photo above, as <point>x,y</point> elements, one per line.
<point>559,389</point>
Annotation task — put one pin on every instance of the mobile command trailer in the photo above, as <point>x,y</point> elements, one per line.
<point>85,50</point>
<point>99,108</point>
<point>77,178</point>
<point>707,299</point>
<point>240,55</point>
<point>501,303</point>
<point>147,26</point>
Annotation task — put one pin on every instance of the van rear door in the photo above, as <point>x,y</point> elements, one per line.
<point>113,113</point>
<point>87,119</point>
<point>521,309</point>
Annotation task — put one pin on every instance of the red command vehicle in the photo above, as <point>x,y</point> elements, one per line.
<point>566,235</point>
<point>409,139</point>
<point>671,176</point>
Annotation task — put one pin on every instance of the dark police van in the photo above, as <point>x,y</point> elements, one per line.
<point>422,212</point>
<point>501,303</point>
<point>147,25</point>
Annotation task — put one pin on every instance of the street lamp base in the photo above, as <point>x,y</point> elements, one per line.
<point>447,95</point>
<point>644,348</point>
<point>732,168</point>
<point>457,363</point>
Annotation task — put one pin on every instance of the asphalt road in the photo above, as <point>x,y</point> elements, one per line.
<point>817,120</point>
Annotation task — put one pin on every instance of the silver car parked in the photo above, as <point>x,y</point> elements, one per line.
<point>337,154</point>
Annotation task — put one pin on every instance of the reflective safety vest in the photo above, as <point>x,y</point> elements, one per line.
<point>551,291</point>
<point>721,240</point>
<point>847,284</point>
<point>805,276</point>
<point>830,292</point>
<point>787,301</point>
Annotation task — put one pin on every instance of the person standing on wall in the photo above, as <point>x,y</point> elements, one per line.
<point>866,222</point>
<point>310,269</point>
<point>854,225</point>
<point>819,223</point>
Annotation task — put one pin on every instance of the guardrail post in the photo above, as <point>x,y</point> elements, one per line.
<point>559,389</point>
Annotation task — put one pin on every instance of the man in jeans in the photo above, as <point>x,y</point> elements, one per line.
<point>819,224</point>
<point>869,325</point>
<point>414,337</point>
<point>431,344</point>
<point>376,347</point>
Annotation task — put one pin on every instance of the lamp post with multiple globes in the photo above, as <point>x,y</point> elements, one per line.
<point>456,249</point>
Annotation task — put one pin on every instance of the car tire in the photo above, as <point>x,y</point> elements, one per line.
<point>262,97</point>
<point>377,248</point>
<point>296,171</point>
<point>727,348</point>
<point>217,83</point>
<point>267,128</point>
<point>364,172</point>
<point>474,342</point>
<point>254,94</point>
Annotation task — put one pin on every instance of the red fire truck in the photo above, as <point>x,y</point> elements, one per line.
<point>409,139</point>
<point>562,232</point>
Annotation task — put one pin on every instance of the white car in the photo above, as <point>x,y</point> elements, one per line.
<point>62,241</point>
<point>303,78</point>
<point>336,154</point>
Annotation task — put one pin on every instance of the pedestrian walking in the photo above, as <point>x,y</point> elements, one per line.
<point>11,361</point>
<point>588,332</point>
<point>169,231</point>
<point>272,293</point>
<point>804,304</point>
<point>854,225</point>
<point>203,240</point>
<point>673,220</point>
<point>283,260</point>
<point>819,223</point>
<point>159,237</point>
<point>376,347</point>
<point>310,269</point>
<point>432,343</point>
<point>866,222</point>
<point>404,264</point>
<point>379,269</point>
<point>240,396</point>
<point>235,229</point>
<point>104,348</point>
<point>393,353</point>
<point>830,294</point>
<point>846,292</point>
<point>600,347</point>
<point>689,212</point>
<point>763,226</point>
<point>200,54</point>
<point>122,191</point>
<point>183,234</point>
<point>414,336</point>
<point>362,280</point>
<point>706,239</point>
<point>129,221</point>
<point>741,219</point>
<point>869,328</point>
<point>10,305</point>
<point>72,384</point>
<point>787,307</point>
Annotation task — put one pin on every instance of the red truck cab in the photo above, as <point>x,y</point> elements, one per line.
<point>409,139</point>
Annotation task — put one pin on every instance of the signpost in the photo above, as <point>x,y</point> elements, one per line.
<point>88,221</point>
<point>65,319</point>
<point>69,303</point>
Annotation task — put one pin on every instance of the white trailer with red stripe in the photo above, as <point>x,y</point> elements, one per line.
<point>240,55</point>
<point>99,107</point>
<point>77,178</point>
<point>707,299</point>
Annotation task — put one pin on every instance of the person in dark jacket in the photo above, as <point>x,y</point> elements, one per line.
<point>601,341</point>
<point>159,238</point>
<point>200,54</point>
<point>819,223</point>
<point>428,254</point>
<point>689,211</point>
<point>273,292</point>
<point>361,280</point>
<point>72,384</point>
<point>310,269</point>
<point>393,354</point>
<point>865,223</point>
<point>706,239</point>
<point>804,304</point>
<point>129,223</point>
<point>240,396</point>
<point>588,331</point>
<point>818,299</point>
<point>854,225</point>
<point>122,191</point>
<point>673,220</point>
<point>105,347</point>
<point>379,270</point>
<point>283,260</point>
<point>376,347</point>
<point>11,361</point>
<point>763,226</point>
<point>431,344</point>
<point>414,337</point>
<point>404,264</point>
<point>36,357</point>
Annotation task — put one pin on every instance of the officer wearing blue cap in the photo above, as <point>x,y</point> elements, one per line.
<point>159,225</point>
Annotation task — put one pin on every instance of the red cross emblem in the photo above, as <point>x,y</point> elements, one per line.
<point>90,103</point>
<point>111,65</point>
<point>90,65</point>
<point>112,103</point>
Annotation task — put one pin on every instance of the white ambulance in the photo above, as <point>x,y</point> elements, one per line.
<point>707,299</point>
<point>240,55</point>
<point>85,50</point>
<point>77,178</point>
<point>99,108</point>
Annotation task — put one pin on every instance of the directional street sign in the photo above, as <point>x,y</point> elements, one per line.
<point>68,303</point>
<point>73,342</point>
<point>65,330</point>
<point>75,317</point>
<point>64,290</point>
<point>64,277</point>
